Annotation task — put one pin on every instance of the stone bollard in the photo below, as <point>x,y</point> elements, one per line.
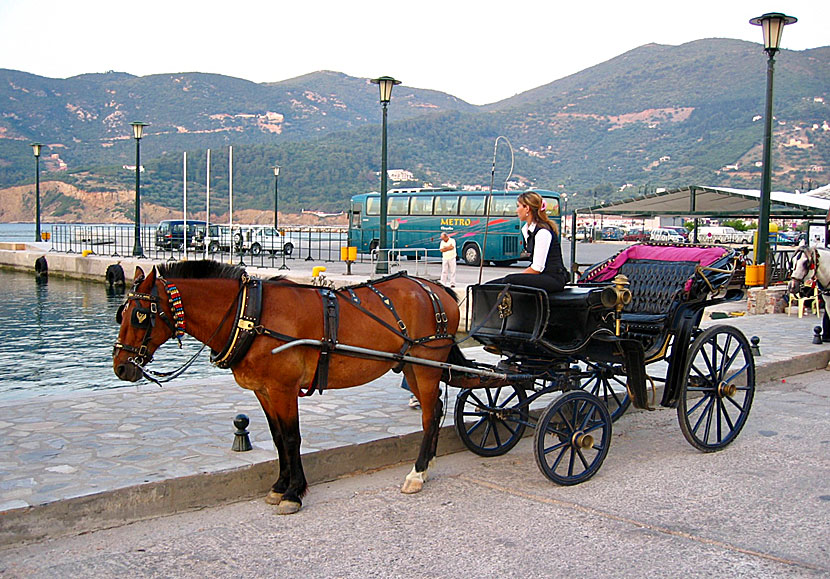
<point>817,335</point>
<point>241,442</point>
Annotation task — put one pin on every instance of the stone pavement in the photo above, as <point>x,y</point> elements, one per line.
<point>84,461</point>
<point>92,460</point>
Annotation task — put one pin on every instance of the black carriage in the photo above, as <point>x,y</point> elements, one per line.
<point>630,323</point>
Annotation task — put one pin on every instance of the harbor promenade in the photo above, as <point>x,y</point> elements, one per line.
<point>74,463</point>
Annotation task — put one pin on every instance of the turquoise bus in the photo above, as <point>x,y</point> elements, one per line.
<point>419,216</point>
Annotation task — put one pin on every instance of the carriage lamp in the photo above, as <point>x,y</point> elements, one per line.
<point>138,132</point>
<point>385,84</point>
<point>36,149</point>
<point>617,296</point>
<point>773,24</point>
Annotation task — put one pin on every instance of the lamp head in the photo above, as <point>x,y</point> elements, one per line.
<point>276,170</point>
<point>385,83</point>
<point>36,148</point>
<point>773,24</point>
<point>138,129</point>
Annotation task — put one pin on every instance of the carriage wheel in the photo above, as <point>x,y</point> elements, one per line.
<point>607,385</point>
<point>491,421</point>
<point>718,388</point>
<point>572,438</point>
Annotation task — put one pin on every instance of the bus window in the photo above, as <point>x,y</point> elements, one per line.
<point>472,205</point>
<point>421,206</point>
<point>446,205</point>
<point>503,206</point>
<point>398,205</point>
<point>373,206</point>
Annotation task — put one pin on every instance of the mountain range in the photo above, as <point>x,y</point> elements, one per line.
<point>656,116</point>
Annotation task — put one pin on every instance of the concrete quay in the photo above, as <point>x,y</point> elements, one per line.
<point>85,461</point>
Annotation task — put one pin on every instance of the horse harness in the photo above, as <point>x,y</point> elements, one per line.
<point>145,318</point>
<point>247,324</point>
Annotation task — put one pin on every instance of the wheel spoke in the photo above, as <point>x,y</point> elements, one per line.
<point>582,458</point>
<point>726,416</point>
<point>495,426</point>
<point>740,407</point>
<point>709,410</point>
<point>556,462</point>
<point>738,373</point>
<point>708,400</point>
<point>571,461</point>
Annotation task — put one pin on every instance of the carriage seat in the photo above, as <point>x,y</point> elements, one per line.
<point>660,278</point>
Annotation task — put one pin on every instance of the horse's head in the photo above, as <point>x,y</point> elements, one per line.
<point>805,262</point>
<point>140,336</point>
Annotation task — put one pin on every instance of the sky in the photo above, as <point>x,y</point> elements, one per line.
<point>481,51</point>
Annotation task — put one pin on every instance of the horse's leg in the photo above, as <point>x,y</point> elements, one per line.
<point>424,384</point>
<point>274,496</point>
<point>287,418</point>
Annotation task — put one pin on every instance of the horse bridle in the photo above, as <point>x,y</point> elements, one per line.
<point>813,257</point>
<point>145,318</point>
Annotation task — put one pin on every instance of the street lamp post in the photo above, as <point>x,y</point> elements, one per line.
<point>385,83</point>
<point>138,132</point>
<point>773,24</point>
<point>276,197</point>
<point>36,148</point>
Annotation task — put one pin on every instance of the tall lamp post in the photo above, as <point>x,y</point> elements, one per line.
<point>138,132</point>
<point>385,83</point>
<point>773,24</point>
<point>276,197</point>
<point>36,148</point>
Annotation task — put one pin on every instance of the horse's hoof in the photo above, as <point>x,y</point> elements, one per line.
<point>273,498</point>
<point>288,507</point>
<point>410,487</point>
<point>414,482</point>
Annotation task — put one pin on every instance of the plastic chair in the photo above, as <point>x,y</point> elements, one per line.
<point>801,299</point>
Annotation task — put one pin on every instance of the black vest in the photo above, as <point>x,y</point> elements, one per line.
<point>553,263</point>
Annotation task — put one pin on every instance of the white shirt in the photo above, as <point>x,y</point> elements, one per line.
<point>450,254</point>
<point>542,245</point>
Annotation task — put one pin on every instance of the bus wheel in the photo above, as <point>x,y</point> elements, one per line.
<point>472,254</point>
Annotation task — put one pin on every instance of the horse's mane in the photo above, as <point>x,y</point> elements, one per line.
<point>202,269</point>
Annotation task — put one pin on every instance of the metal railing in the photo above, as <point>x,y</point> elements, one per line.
<point>321,244</point>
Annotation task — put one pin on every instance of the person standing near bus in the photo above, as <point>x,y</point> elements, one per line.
<point>541,236</point>
<point>448,259</point>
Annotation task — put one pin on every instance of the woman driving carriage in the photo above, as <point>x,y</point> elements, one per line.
<point>541,236</point>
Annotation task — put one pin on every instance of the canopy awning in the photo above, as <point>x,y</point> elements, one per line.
<point>722,202</point>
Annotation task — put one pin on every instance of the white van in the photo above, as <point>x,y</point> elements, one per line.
<point>666,234</point>
<point>723,235</point>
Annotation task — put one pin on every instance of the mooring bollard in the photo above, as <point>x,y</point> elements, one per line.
<point>241,442</point>
<point>817,335</point>
<point>755,340</point>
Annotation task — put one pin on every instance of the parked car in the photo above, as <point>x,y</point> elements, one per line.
<point>612,233</point>
<point>682,231</point>
<point>170,233</point>
<point>666,234</point>
<point>267,239</point>
<point>637,234</point>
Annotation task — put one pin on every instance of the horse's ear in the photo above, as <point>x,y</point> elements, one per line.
<point>139,274</point>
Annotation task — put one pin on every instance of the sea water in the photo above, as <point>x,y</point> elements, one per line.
<point>56,336</point>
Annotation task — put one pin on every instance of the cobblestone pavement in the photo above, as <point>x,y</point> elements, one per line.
<point>87,445</point>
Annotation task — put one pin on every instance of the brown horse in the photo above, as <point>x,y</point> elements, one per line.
<point>397,315</point>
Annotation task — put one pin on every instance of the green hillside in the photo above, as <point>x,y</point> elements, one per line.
<point>657,116</point>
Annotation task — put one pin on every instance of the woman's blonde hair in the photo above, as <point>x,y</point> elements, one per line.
<point>534,201</point>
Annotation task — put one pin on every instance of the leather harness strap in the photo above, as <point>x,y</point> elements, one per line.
<point>248,316</point>
<point>245,325</point>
